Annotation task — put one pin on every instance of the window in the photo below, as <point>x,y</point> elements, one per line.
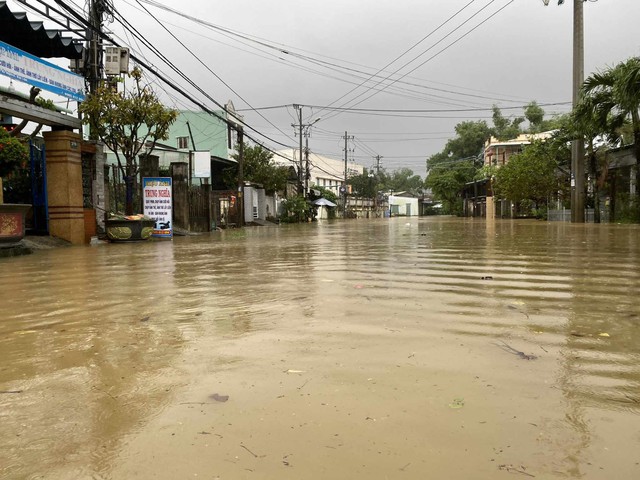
<point>183,142</point>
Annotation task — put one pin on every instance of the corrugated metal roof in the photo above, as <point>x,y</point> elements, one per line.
<point>33,38</point>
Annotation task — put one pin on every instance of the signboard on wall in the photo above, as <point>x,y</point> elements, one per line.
<point>201,164</point>
<point>23,66</point>
<point>158,204</point>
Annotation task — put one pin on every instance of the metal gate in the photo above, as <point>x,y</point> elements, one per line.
<point>38,174</point>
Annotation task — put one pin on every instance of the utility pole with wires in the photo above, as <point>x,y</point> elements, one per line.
<point>577,146</point>
<point>303,171</point>
<point>93,69</point>
<point>301,126</point>
<point>378,158</point>
<point>343,189</point>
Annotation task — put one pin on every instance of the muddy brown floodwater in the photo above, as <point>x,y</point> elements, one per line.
<point>374,349</point>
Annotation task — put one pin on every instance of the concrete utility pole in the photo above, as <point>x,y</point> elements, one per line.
<point>346,159</point>
<point>94,68</point>
<point>240,199</point>
<point>300,125</point>
<point>306,159</point>
<point>378,158</point>
<point>303,172</point>
<point>577,146</point>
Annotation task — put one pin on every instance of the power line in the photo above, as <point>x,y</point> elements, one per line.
<point>435,55</point>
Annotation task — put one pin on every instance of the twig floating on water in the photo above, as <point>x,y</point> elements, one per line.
<point>511,468</point>
<point>254,455</point>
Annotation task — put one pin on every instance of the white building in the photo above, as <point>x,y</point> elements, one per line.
<point>323,171</point>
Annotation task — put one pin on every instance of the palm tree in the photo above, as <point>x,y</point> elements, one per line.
<point>592,118</point>
<point>618,91</point>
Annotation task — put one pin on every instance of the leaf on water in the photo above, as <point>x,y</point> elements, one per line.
<point>294,371</point>
<point>604,334</point>
<point>457,403</point>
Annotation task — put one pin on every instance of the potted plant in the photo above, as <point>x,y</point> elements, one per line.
<point>14,155</point>
<point>129,122</point>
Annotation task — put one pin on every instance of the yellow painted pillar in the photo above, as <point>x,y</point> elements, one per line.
<point>64,186</point>
<point>491,209</point>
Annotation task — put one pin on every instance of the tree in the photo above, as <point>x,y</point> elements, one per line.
<point>618,89</point>
<point>366,184</point>
<point>535,116</point>
<point>505,128</point>
<point>446,180</point>
<point>530,175</point>
<point>259,167</point>
<point>128,122</point>
<point>404,180</point>
<point>450,169</point>
<point>591,119</point>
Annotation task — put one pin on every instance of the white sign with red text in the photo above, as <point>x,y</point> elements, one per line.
<point>158,204</point>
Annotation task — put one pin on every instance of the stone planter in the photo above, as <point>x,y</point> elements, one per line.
<point>123,230</point>
<point>12,223</point>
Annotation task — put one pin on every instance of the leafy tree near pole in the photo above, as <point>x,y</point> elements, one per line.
<point>619,89</point>
<point>505,128</point>
<point>128,122</point>
<point>530,175</point>
<point>449,170</point>
<point>259,167</point>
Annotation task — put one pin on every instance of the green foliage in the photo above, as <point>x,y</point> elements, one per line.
<point>125,121</point>
<point>535,116</point>
<point>468,142</point>
<point>450,169</point>
<point>529,176</point>
<point>403,180</point>
<point>447,180</point>
<point>295,210</point>
<point>366,184</point>
<point>14,154</point>
<point>327,193</point>
<point>45,103</point>
<point>258,167</point>
<point>505,128</point>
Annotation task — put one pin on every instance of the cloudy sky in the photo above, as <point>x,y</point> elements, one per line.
<point>396,75</point>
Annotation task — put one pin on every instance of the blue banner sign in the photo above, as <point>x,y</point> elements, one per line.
<point>23,66</point>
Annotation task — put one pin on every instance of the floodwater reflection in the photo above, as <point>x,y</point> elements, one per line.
<point>364,331</point>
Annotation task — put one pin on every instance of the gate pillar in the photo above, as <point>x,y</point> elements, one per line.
<point>64,186</point>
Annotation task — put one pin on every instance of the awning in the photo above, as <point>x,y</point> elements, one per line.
<point>33,38</point>
<point>324,202</point>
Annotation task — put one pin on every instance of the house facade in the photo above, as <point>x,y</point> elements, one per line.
<point>323,171</point>
<point>403,204</point>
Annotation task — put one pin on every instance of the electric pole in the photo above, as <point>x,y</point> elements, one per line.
<point>240,199</point>
<point>304,131</point>
<point>306,157</point>
<point>93,68</point>
<point>346,160</point>
<point>577,146</point>
<point>300,166</point>
<point>378,158</point>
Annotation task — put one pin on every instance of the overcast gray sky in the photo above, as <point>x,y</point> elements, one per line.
<point>468,54</point>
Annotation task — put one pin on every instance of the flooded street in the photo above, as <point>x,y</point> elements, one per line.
<point>374,349</point>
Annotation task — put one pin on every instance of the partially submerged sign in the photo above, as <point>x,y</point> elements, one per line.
<point>24,67</point>
<point>158,204</point>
